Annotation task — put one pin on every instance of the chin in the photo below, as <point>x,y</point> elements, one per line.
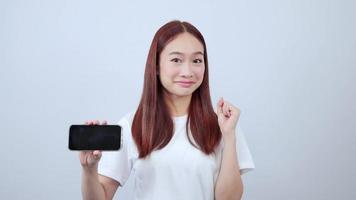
<point>183,93</point>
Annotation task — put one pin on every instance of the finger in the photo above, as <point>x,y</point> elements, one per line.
<point>225,108</point>
<point>220,102</point>
<point>232,110</point>
<point>97,154</point>
<point>219,110</point>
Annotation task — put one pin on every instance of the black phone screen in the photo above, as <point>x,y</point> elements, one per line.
<point>94,137</point>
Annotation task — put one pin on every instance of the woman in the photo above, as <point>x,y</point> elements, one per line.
<point>175,146</point>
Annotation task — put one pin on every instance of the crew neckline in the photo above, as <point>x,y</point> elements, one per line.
<point>180,118</point>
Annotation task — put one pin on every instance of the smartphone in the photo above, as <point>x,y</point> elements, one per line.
<point>95,137</point>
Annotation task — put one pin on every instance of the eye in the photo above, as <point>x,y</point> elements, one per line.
<point>176,60</point>
<point>197,61</point>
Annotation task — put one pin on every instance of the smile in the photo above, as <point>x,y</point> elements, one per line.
<point>185,84</point>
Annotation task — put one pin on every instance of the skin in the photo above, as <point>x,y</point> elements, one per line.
<point>181,60</point>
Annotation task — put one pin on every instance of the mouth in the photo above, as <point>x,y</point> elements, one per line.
<point>185,84</point>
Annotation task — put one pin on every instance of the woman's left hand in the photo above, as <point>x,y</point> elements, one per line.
<point>228,116</point>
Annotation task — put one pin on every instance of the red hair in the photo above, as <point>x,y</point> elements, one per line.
<point>152,126</point>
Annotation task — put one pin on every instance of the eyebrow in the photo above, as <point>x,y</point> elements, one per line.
<point>180,53</point>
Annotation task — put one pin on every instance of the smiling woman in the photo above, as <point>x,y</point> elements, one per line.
<point>175,146</point>
<point>182,89</point>
<point>182,65</point>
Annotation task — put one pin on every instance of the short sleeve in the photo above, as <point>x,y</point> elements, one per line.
<point>243,152</point>
<point>116,164</point>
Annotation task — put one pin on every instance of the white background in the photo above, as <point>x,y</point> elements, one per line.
<point>288,65</point>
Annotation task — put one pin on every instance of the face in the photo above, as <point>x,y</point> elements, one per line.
<point>181,66</point>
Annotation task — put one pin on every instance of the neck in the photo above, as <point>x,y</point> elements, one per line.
<point>178,105</point>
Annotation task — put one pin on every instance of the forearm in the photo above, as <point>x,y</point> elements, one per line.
<point>229,184</point>
<point>91,187</point>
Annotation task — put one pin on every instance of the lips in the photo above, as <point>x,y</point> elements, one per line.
<point>185,84</point>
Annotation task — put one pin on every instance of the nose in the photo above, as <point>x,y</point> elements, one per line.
<point>186,71</point>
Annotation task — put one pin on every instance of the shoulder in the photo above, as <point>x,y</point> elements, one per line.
<point>125,122</point>
<point>126,119</point>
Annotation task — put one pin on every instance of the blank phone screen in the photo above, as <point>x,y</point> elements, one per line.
<point>94,137</point>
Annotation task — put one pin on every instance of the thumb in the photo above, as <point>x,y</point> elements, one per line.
<point>219,110</point>
<point>97,154</point>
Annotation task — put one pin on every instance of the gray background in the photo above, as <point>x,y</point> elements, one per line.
<point>288,65</point>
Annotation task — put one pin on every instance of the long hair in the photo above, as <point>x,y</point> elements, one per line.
<point>152,126</point>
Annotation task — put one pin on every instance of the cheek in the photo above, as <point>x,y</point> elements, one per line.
<point>169,71</point>
<point>199,72</point>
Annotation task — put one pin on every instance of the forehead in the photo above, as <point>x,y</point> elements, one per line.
<point>184,43</point>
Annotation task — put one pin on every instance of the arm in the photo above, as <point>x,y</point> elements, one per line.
<point>229,183</point>
<point>97,187</point>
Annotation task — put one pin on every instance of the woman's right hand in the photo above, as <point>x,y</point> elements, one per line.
<point>90,159</point>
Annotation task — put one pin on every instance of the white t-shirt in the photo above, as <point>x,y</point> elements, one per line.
<point>177,171</point>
